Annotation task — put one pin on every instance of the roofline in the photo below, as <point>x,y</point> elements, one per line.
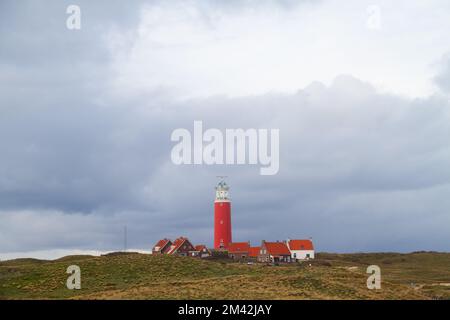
<point>167,241</point>
<point>177,247</point>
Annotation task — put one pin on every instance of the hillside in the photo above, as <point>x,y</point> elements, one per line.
<point>423,275</point>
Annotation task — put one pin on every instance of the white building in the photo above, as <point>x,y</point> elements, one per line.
<point>300,249</point>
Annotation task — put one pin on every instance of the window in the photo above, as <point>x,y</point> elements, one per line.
<point>308,255</point>
<point>295,255</point>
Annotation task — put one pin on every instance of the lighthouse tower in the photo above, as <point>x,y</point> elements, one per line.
<point>222,217</point>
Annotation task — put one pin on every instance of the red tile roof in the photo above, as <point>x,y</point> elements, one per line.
<point>234,247</point>
<point>277,248</point>
<point>177,243</point>
<point>301,245</point>
<point>253,251</point>
<point>200,247</point>
<point>161,243</point>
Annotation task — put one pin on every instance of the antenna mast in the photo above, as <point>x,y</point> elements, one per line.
<point>125,238</point>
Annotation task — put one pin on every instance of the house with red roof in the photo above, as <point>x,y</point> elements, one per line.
<point>274,252</point>
<point>182,247</point>
<point>162,246</point>
<point>300,249</point>
<point>290,250</point>
<point>238,250</point>
<point>202,251</point>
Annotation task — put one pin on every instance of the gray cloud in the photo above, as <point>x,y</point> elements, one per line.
<point>359,170</point>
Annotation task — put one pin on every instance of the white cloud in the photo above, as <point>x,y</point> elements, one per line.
<point>200,49</point>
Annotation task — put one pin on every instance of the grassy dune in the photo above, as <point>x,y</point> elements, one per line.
<point>139,276</point>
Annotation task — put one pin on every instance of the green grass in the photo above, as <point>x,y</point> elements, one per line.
<point>428,272</point>
<point>141,276</point>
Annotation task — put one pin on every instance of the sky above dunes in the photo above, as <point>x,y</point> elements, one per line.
<point>359,91</point>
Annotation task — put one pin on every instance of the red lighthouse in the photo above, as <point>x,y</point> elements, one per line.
<point>222,217</point>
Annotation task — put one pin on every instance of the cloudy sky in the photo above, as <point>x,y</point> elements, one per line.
<point>359,91</point>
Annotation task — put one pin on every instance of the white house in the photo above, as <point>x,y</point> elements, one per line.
<point>300,249</point>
